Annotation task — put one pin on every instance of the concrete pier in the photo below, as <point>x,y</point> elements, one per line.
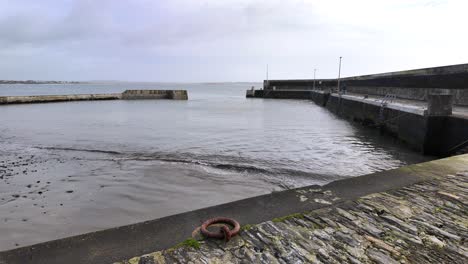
<point>254,94</point>
<point>425,108</point>
<point>415,84</point>
<point>155,94</point>
<point>409,214</point>
<point>127,95</point>
<point>56,98</point>
<point>438,130</point>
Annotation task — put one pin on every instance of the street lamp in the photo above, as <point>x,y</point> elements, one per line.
<point>314,78</point>
<point>339,75</point>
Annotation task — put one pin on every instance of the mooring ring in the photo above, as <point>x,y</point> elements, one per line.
<point>224,231</point>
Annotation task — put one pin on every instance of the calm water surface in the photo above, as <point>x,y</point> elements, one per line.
<point>69,168</point>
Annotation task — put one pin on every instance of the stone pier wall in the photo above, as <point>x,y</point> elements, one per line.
<point>460,96</point>
<point>127,95</point>
<point>412,84</point>
<point>155,94</point>
<point>290,94</point>
<point>57,98</point>
<point>431,134</point>
<point>409,127</point>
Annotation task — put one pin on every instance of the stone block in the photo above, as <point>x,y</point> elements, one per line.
<point>439,104</point>
<point>155,94</point>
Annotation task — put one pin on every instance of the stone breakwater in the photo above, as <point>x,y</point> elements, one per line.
<point>127,95</point>
<point>155,94</point>
<point>417,84</point>
<point>420,223</point>
<point>56,98</point>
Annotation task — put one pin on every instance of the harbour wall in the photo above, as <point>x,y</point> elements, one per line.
<point>127,95</point>
<point>434,131</point>
<point>412,84</point>
<point>438,135</point>
<point>155,94</point>
<point>56,98</point>
<point>254,93</point>
<point>408,126</point>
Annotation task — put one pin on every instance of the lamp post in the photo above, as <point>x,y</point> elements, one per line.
<point>339,75</point>
<point>314,78</point>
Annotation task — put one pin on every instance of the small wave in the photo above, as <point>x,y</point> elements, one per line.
<point>222,162</point>
<point>82,150</point>
<point>229,163</point>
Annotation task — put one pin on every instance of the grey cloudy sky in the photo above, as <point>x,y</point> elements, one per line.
<point>228,40</point>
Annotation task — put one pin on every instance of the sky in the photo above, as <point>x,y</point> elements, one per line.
<point>226,40</point>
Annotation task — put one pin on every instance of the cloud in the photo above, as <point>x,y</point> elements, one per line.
<point>230,39</point>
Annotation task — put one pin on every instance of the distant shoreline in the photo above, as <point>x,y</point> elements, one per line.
<point>111,82</point>
<point>38,82</point>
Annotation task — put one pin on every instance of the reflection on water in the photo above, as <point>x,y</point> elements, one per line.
<point>68,168</point>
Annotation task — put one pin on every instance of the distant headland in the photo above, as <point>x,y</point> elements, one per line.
<point>38,82</point>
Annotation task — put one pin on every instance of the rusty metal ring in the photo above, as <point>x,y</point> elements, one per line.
<point>224,231</point>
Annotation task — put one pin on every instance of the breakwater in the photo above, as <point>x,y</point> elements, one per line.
<point>127,95</point>
<point>415,84</point>
<point>155,94</point>
<point>426,108</point>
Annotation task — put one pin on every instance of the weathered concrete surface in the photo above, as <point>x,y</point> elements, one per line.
<point>57,98</point>
<point>134,240</point>
<point>155,94</point>
<point>127,95</point>
<point>439,104</point>
<point>425,222</point>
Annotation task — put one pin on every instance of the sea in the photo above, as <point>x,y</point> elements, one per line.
<point>74,167</point>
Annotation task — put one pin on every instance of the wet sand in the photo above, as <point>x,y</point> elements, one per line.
<point>50,194</point>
